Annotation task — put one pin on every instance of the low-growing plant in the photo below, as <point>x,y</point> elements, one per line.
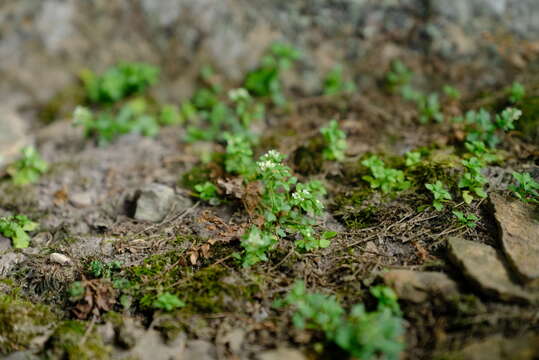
<point>29,168</point>
<point>469,220</point>
<point>168,302</point>
<point>479,150</point>
<point>526,188</point>
<point>413,158</point>
<point>429,109</point>
<point>516,92</point>
<point>119,81</point>
<point>398,77</point>
<point>365,335</point>
<point>334,82</point>
<point>100,269</point>
<point>170,115</point>
<point>440,194</point>
<point>16,228</point>
<point>472,180</point>
<point>246,108</point>
<point>383,178</point>
<point>266,79</point>
<point>335,141</point>
<point>239,156</point>
<point>451,92</point>
<point>207,191</point>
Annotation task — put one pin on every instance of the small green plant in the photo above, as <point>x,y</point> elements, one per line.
<point>472,180</point>
<point>76,291</point>
<point>170,115</point>
<point>119,81</point>
<point>399,76</point>
<point>168,302</point>
<point>482,152</point>
<point>246,108</point>
<point>413,158</point>
<point>266,79</point>
<point>440,194</point>
<point>28,168</point>
<point>335,141</point>
<point>365,335</point>
<point>208,192</point>
<point>334,82</point>
<point>516,92</point>
<point>469,220</point>
<point>386,179</point>
<point>451,92</point>
<point>429,109</point>
<point>239,156</point>
<point>16,228</point>
<point>99,269</point>
<point>526,189</point>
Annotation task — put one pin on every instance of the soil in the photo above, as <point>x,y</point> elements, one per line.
<point>191,251</point>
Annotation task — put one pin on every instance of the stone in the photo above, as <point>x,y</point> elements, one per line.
<point>519,234</point>
<point>60,259</point>
<point>5,244</point>
<point>199,349</point>
<point>81,199</point>
<point>9,261</point>
<point>482,266</point>
<point>497,347</point>
<point>419,286</point>
<point>154,202</point>
<point>12,135</point>
<point>281,354</point>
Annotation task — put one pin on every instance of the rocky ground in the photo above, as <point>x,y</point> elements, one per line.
<point>465,292</point>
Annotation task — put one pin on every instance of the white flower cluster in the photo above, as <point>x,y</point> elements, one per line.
<point>238,94</point>
<point>269,160</point>
<point>301,195</point>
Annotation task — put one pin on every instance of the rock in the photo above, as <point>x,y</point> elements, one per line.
<point>418,286</point>
<point>5,244</point>
<point>150,345</point>
<point>154,202</point>
<point>234,339</point>
<point>81,200</point>
<point>482,266</point>
<point>12,135</point>
<point>9,261</point>
<point>497,347</point>
<point>60,259</point>
<point>199,349</point>
<point>519,231</point>
<point>281,354</point>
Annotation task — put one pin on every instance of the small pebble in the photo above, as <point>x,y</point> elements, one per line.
<point>60,259</point>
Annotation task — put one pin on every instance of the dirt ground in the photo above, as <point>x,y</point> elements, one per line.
<point>84,205</point>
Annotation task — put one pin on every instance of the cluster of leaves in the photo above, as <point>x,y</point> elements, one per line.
<point>168,302</point>
<point>119,82</point>
<point>480,126</point>
<point>386,179</point>
<point>472,181</point>
<point>469,220</point>
<point>516,92</point>
<point>207,191</point>
<point>364,334</point>
<point>526,189</point>
<point>335,141</point>
<point>16,228</point>
<point>440,194</point>
<point>265,80</point>
<point>100,269</point>
<point>287,207</point>
<point>334,82</point>
<point>28,168</point>
<point>398,77</point>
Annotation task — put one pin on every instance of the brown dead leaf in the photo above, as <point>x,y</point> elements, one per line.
<point>99,296</point>
<point>60,197</point>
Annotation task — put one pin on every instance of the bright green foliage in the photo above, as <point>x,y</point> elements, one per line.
<point>16,228</point>
<point>386,179</point>
<point>118,82</point>
<point>516,92</point>
<point>398,77</point>
<point>168,302</point>
<point>469,220</point>
<point>481,127</point>
<point>365,335</point>
<point>429,109</point>
<point>28,168</point>
<point>170,115</point>
<point>107,126</point>
<point>76,291</point>
<point>526,189</point>
<point>451,92</point>
<point>246,108</point>
<point>265,80</point>
<point>288,207</point>
<point>208,192</point>
<point>334,82</point>
<point>335,141</point>
<point>239,156</point>
<point>441,195</point>
<point>480,150</point>
<point>99,269</point>
<point>472,180</point>
<point>412,158</point>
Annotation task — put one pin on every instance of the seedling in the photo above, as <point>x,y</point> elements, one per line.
<point>440,194</point>
<point>429,109</point>
<point>208,192</point>
<point>365,335</point>
<point>469,220</point>
<point>526,189</point>
<point>516,92</point>
<point>412,158</point>
<point>480,150</point>
<point>170,115</point>
<point>398,77</point>
<point>266,79</point>
<point>99,269</point>
<point>386,179</point>
<point>335,141</point>
<point>16,228</point>
<point>28,168</point>
<point>119,81</point>
<point>239,156</point>
<point>246,108</point>
<point>451,92</point>
<point>168,302</point>
<point>472,180</point>
<point>334,82</point>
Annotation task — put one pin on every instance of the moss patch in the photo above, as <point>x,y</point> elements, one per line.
<point>528,124</point>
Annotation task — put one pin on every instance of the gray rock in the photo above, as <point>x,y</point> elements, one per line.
<point>281,354</point>
<point>199,349</point>
<point>60,259</point>
<point>519,228</point>
<point>81,199</point>
<point>418,286</point>
<point>5,244</point>
<point>497,347</point>
<point>483,267</point>
<point>12,135</point>
<point>154,202</point>
<point>9,261</point>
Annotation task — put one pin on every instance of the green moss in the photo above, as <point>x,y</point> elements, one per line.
<point>21,199</point>
<point>353,210</point>
<point>61,105</point>
<point>528,124</point>
<point>70,341</point>
<point>308,159</point>
<point>21,321</point>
